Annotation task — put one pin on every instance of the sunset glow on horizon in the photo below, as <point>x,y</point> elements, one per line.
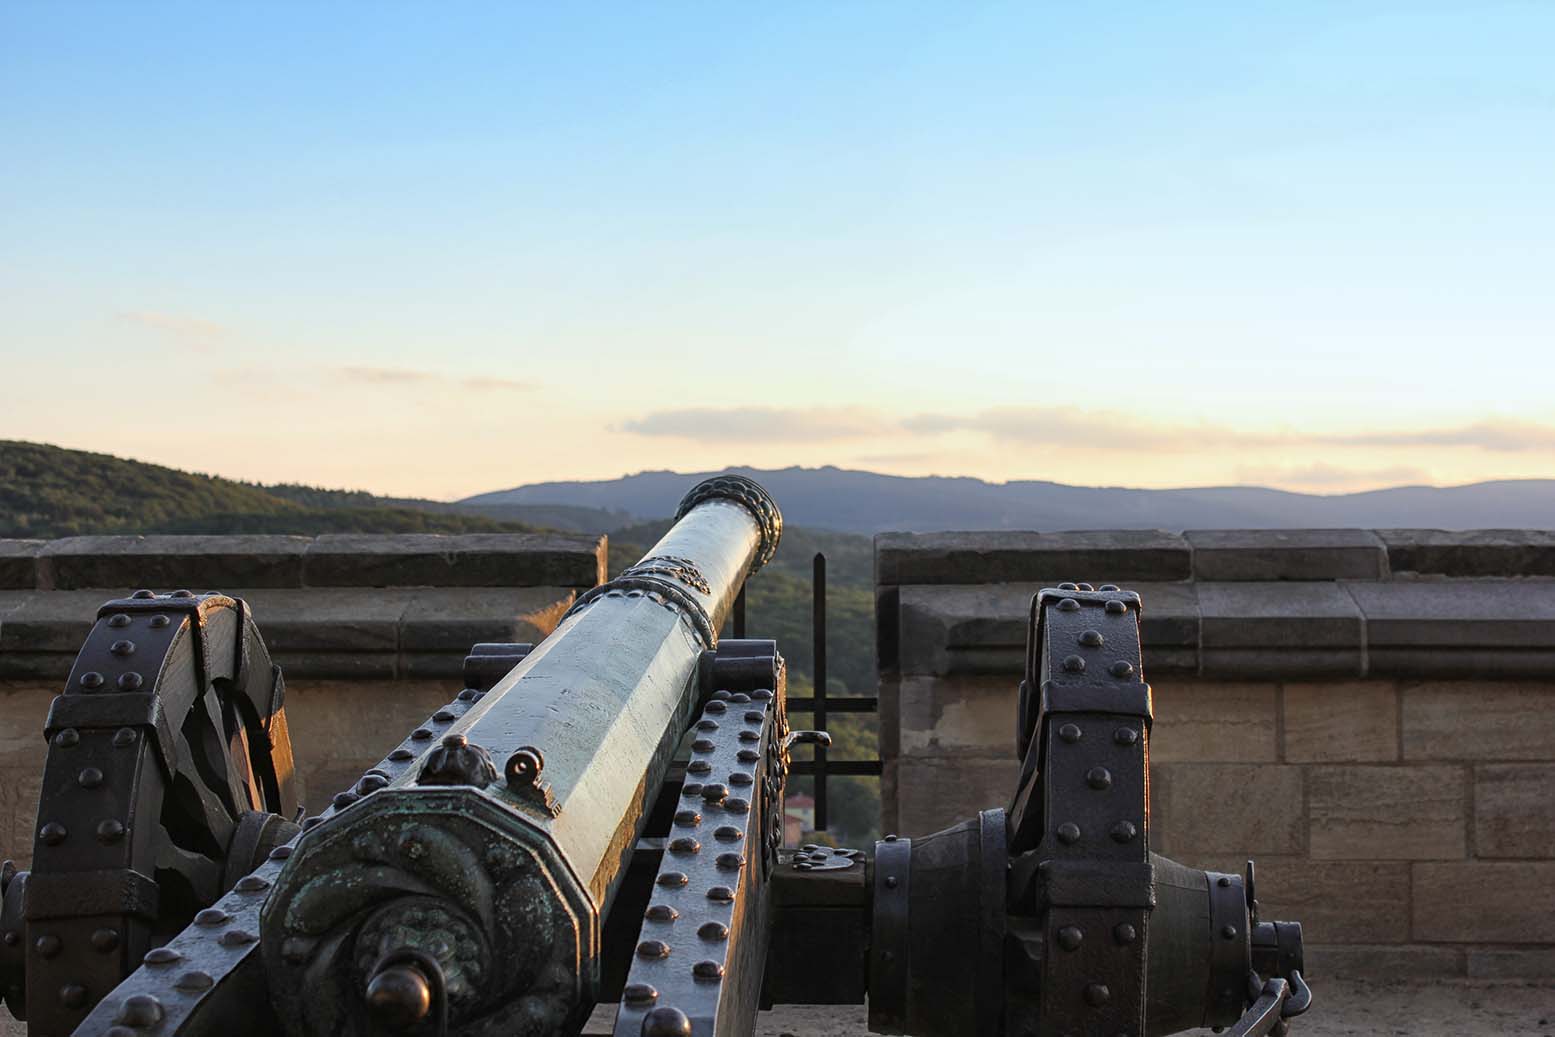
<point>438,250</point>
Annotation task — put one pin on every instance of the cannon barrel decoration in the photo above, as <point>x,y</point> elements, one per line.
<point>598,818</point>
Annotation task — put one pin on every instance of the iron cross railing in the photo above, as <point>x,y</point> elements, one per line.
<point>820,705</point>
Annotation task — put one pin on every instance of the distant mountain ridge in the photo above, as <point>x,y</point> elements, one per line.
<point>853,501</point>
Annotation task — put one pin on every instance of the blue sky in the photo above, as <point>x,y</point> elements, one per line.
<point>440,249</point>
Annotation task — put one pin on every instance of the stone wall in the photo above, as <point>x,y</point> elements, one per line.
<point>370,631</point>
<point>1369,714</point>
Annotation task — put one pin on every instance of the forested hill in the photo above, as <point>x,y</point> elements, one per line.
<point>48,491</point>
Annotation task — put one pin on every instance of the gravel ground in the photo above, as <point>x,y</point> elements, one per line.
<point>1341,1009</point>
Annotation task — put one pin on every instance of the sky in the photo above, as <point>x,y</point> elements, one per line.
<point>440,249</point>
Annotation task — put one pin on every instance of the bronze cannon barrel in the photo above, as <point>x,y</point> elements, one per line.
<point>496,853</point>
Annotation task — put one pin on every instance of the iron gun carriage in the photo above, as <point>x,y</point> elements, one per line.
<point>598,819</point>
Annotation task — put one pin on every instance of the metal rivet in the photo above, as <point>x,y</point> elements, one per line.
<point>194,980</point>
<point>653,949</point>
<point>665,1021</point>
<point>755,716</point>
<point>739,697</point>
<point>123,649</point>
<point>687,818</point>
<point>708,969</point>
<point>1098,778</point>
<point>715,793</point>
<point>722,894</point>
<point>401,754</point>
<point>72,995</point>
<point>703,745</point>
<point>1068,586</point>
<point>731,861</point>
<point>52,833</point>
<point>1070,937</point>
<point>661,913</point>
<point>1108,587</point>
<point>467,695</point>
<point>1125,736</point>
<point>1228,932</point>
<point>673,878</point>
<point>158,622</point>
<point>161,956</point>
<point>252,884</point>
<point>891,882</point>
<point>1069,733</point>
<point>181,594</point>
<point>691,788</point>
<point>124,737</point>
<point>444,716</point>
<point>716,708</point>
<point>68,738</point>
<point>741,778</point>
<point>280,853</point>
<point>761,695</point>
<point>1121,668</point>
<point>750,736</point>
<point>110,831</point>
<point>737,806</point>
<point>370,783</point>
<point>1074,664</point>
<point>699,767</point>
<point>91,680</point>
<point>1068,832</point>
<point>1223,882</point>
<point>1123,832</point>
<point>747,756</point>
<point>728,834</point>
<point>1125,933</point>
<point>212,916</point>
<point>130,681</point>
<point>421,734</point>
<point>344,799</point>
<point>143,594</point>
<point>139,1011</point>
<point>713,931</point>
<point>89,778</point>
<point>47,945</point>
<point>684,844</point>
<point>1084,587</point>
<point>1091,638</point>
<point>236,938</point>
<point>10,937</point>
<point>1097,994</point>
<point>1068,605</point>
<point>118,619</point>
<point>639,994</point>
<point>707,725</point>
<point>1115,607</point>
<point>311,822</point>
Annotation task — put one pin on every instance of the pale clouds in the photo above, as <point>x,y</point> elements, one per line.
<point>403,377</point>
<point>179,330</point>
<point>763,424</point>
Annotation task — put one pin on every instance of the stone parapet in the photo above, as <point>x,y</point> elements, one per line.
<point>1369,714</point>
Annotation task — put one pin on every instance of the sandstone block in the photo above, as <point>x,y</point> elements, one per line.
<point>942,715</point>
<point>1475,552</point>
<point>19,563</point>
<point>1484,902</point>
<point>165,562</point>
<point>1522,963</point>
<point>1286,554</point>
<point>1094,556</point>
<point>1341,721</point>
<point>1279,629</point>
<point>1457,614</point>
<point>24,706</point>
<point>1387,813</point>
<point>451,619</point>
<point>1207,808</point>
<point>375,666</point>
<point>1479,720</point>
<point>1514,810</point>
<point>328,619</point>
<point>462,560</point>
<point>1200,721</point>
<point>19,788</point>
<point>933,792</point>
<point>1407,962</point>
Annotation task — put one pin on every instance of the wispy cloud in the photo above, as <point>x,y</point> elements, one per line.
<point>179,330</point>
<point>776,424</point>
<point>1322,476</point>
<point>397,377</point>
<point>1067,427</point>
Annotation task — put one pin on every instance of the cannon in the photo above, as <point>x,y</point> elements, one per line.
<point>597,819</point>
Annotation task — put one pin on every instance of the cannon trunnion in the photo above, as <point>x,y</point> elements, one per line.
<point>598,818</point>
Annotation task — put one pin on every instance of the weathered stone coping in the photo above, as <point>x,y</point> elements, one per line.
<point>1231,603</point>
<point>334,560</point>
